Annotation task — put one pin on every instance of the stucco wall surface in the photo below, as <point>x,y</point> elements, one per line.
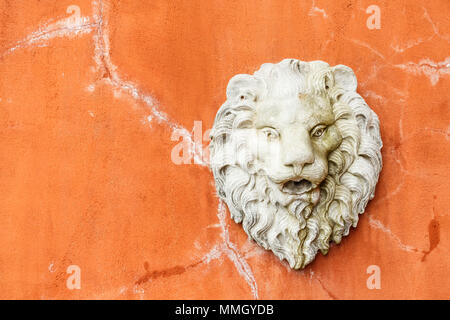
<point>94,94</point>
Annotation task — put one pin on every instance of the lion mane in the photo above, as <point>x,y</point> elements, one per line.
<point>294,233</point>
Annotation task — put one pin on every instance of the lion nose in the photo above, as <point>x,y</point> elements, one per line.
<point>297,148</point>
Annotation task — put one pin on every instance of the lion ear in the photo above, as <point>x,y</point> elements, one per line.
<point>345,78</point>
<point>242,87</point>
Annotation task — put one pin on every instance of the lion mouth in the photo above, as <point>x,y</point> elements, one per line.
<point>297,187</point>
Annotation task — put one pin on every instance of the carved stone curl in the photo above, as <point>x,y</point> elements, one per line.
<point>295,154</point>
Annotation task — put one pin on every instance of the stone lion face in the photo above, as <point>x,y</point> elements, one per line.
<point>295,135</point>
<point>295,154</point>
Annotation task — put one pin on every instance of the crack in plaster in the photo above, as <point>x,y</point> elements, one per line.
<point>165,273</point>
<point>412,43</point>
<point>378,225</point>
<point>103,60</point>
<point>324,288</point>
<point>433,70</point>
<point>434,232</point>
<point>433,25</point>
<point>68,27</point>
<point>75,25</point>
<point>409,44</point>
<point>109,74</point>
<point>365,45</point>
<point>233,254</point>
<point>315,10</point>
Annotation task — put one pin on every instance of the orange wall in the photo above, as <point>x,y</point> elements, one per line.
<point>86,176</point>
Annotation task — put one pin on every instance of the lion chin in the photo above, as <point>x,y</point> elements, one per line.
<point>295,154</point>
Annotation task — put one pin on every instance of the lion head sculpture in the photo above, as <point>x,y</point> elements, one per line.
<point>295,154</point>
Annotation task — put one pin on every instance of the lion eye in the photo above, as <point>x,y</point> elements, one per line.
<point>318,131</point>
<point>270,133</point>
